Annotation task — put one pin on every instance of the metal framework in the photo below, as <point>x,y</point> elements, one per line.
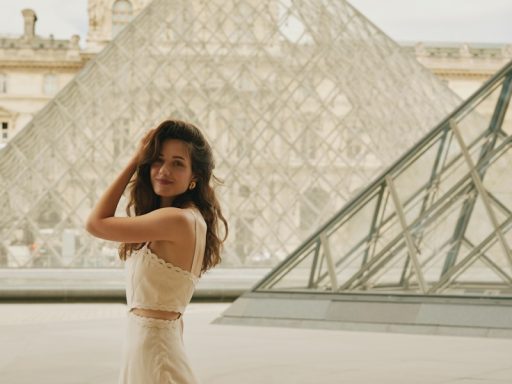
<point>304,102</point>
<point>437,222</point>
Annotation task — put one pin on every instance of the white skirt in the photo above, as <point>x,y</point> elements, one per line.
<point>154,353</point>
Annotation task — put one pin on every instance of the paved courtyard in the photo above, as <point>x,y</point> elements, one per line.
<point>81,344</point>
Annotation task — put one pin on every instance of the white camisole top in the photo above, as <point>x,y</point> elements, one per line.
<point>153,283</point>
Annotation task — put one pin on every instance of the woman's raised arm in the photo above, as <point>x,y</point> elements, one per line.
<point>161,224</point>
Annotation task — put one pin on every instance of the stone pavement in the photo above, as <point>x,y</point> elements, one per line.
<point>81,344</point>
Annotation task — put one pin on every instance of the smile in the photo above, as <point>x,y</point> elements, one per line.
<point>163,182</point>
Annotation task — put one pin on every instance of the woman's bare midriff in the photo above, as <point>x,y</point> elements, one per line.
<point>156,314</point>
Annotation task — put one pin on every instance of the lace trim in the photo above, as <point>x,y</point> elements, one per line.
<point>156,307</point>
<point>169,265</point>
<point>151,322</point>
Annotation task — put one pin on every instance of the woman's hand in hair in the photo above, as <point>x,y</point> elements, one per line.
<point>143,145</point>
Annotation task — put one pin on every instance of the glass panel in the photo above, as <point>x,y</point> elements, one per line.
<point>387,276</point>
<point>298,276</point>
<point>480,225</point>
<point>353,234</point>
<point>416,176</point>
<point>500,191</point>
<point>475,124</point>
<point>506,126</point>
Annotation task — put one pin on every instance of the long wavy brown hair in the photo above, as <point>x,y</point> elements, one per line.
<point>143,199</point>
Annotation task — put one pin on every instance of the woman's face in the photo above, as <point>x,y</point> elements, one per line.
<point>171,173</point>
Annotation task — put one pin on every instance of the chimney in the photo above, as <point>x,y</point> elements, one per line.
<point>30,18</point>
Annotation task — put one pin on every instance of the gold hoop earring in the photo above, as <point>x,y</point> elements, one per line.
<point>192,185</point>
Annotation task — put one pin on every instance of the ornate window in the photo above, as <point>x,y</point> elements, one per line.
<point>50,84</point>
<point>122,12</point>
<point>5,130</point>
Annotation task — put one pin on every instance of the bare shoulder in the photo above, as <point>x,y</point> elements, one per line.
<point>178,247</point>
<point>179,219</point>
<point>175,214</point>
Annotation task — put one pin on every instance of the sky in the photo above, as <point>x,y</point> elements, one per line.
<point>471,21</point>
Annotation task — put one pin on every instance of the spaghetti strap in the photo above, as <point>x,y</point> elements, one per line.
<point>197,247</point>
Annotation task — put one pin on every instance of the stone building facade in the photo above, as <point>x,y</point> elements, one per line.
<point>107,18</point>
<point>464,67</point>
<point>32,70</point>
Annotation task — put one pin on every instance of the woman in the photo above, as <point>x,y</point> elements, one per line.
<point>171,240</point>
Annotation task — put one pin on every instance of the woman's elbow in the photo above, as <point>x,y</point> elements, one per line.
<point>91,227</point>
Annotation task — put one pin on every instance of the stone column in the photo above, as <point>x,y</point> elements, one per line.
<point>30,18</point>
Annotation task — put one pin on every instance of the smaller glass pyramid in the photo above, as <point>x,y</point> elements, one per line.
<point>438,222</point>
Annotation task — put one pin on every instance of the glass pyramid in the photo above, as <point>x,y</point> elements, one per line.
<point>438,222</point>
<point>304,102</point>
